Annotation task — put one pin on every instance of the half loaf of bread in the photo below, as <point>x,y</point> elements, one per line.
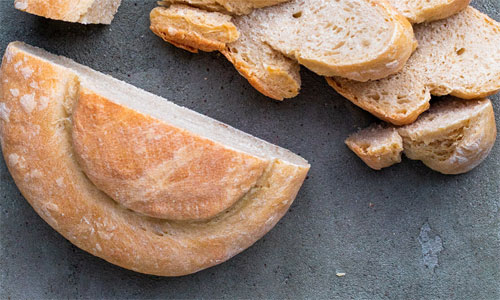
<point>453,137</point>
<point>361,40</point>
<point>132,178</point>
<point>80,11</point>
<point>459,56</point>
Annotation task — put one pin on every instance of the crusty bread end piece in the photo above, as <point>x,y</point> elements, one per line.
<point>453,137</point>
<point>379,147</point>
<point>131,177</point>
<point>80,11</point>
<point>418,11</point>
<point>459,56</point>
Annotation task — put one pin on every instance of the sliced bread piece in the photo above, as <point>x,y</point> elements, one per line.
<point>80,11</point>
<point>375,45</point>
<point>459,56</point>
<point>266,69</point>
<point>131,177</point>
<point>453,137</point>
<point>379,147</point>
<point>236,7</point>
<point>418,11</point>
<point>192,29</point>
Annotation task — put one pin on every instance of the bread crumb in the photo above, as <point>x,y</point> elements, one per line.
<point>340,274</point>
<point>28,102</point>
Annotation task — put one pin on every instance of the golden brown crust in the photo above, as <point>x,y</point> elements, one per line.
<point>278,84</point>
<point>185,177</point>
<point>191,29</point>
<point>48,175</point>
<point>428,12</point>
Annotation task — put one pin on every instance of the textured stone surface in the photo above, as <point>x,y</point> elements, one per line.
<point>403,233</point>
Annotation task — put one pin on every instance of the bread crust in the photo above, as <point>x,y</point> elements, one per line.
<point>278,84</point>
<point>437,11</point>
<point>190,31</point>
<point>36,129</point>
<point>66,10</point>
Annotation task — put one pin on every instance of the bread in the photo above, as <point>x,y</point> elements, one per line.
<point>192,29</point>
<point>132,178</point>
<point>236,7</point>
<point>81,11</point>
<point>379,147</point>
<point>453,137</point>
<point>459,56</point>
<point>418,11</point>
<point>372,42</point>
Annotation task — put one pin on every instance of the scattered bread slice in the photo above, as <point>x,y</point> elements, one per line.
<point>379,147</point>
<point>372,42</point>
<point>131,177</point>
<point>356,39</point>
<point>236,7</point>
<point>459,56</point>
<point>418,11</point>
<point>453,137</point>
<point>80,11</point>
<point>192,29</point>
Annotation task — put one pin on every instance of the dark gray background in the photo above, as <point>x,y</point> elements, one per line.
<point>424,235</point>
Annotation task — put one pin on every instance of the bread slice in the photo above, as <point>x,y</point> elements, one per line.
<point>418,11</point>
<point>459,56</point>
<point>236,7</point>
<point>379,147</point>
<point>192,29</point>
<point>275,39</point>
<point>81,11</point>
<point>133,178</point>
<point>453,137</point>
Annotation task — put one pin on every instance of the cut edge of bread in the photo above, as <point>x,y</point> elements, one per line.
<point>437,9</point>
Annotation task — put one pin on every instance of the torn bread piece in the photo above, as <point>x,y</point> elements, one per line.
<point>79,11</point>
<point>418,11</point>
<point>378,146</point>
<point>453,137</point>
<point>459,56</point>
<point>131,177</point>
<point>235,7</point>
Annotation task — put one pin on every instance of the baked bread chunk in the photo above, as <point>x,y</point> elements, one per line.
<point>80,11</point>
<point>132,178</point>
<point>378,146</point>
<point>453,137</point>
<point>365,40</point>
<point>418,11</point>
<point>459,56</point>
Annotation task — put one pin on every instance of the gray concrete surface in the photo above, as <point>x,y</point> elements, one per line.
<point>402,233</point>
